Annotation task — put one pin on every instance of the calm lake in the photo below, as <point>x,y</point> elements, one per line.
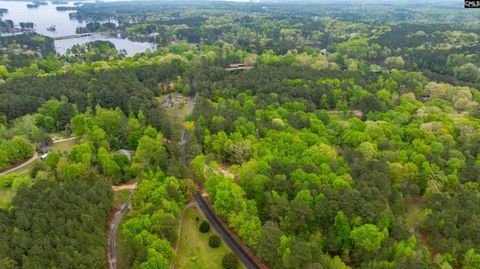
<point>46,15</point>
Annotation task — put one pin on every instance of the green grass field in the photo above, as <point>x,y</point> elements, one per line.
<point>193,250</point>
<point>64,146</point>
<point>176,113</point>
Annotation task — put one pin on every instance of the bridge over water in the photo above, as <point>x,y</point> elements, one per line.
<point>82,35</point>
<point>72,36</point>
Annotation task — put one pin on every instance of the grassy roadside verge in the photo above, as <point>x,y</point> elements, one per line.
<point>193,249</point>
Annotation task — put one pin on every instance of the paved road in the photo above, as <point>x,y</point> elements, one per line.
<point>207,211</point>
<point>112,236</point>
<point>223,233</point>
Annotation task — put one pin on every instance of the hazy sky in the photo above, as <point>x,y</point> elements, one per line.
<point>353,1</point>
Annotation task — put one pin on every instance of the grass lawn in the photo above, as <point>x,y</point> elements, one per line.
<point>64,146</point>
<point>193,250</point>
<point>179,110</point>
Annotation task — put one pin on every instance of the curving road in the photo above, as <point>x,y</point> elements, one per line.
<point>112,236</point>
<point>27,162</point>
<point>222,231</point>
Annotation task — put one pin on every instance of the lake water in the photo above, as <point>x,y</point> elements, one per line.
<point>46,15</point>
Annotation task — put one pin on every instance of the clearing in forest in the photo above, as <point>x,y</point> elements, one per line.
<point>63,146</point>
<point>7,194</point>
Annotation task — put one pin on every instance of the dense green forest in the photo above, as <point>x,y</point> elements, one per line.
<point>319,182</point>
<point>351,140</point>
<point>55,225</point>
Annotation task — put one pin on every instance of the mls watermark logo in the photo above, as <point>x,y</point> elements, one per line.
<point>472,3</point>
